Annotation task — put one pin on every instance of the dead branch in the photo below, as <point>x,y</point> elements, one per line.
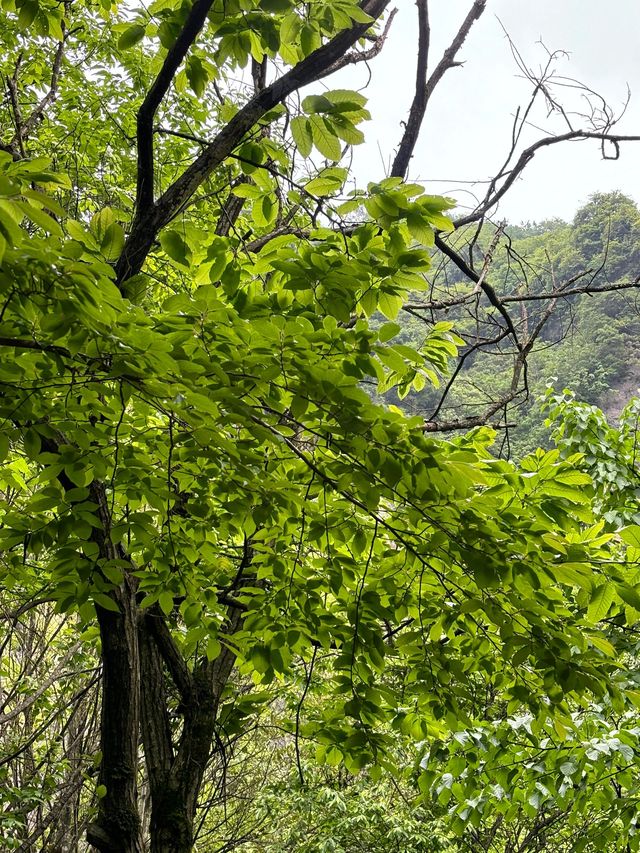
<point>511,175</point>
<point>425,87</point>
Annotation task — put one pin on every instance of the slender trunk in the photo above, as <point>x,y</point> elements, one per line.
<point>175,777</point>
<point>117,827</point>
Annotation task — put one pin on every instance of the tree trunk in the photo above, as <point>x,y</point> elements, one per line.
<point>174,807</point>
<point>117,828</point>
<point>175,777</point>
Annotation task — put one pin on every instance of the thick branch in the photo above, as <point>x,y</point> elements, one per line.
<point>425,88</point>
<point>154,716</point>
<point>173,60</point>
<point>419,105</point>
<point>150,220</point>
<point>171,655</point>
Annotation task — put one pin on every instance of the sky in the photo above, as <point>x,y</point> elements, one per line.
<point>467,131</point>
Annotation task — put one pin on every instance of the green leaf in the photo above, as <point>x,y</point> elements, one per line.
<point>32,443</point>
<point>101,221</point>
<point>390,304</point>
<point>601,600</point>
<point>28,12</point>
<point>316,104</point>
<point>349,96</point>
<point>275,6</point>
<point>131,36</point>
<point>346,131</point>
<point>105,602</point>
<point>112,241</point>
<point>176,247</point>
<point>324,183</point>
<point>165,600</point>
<point>40,218</point>
<point>213,648</point>
<point>420,228</point>
<point>324,138</point>
<point>302,136</point>
<point>359,15</point>
<point>197,75</point>
<point>629,594</point>
<point>388,331</point>
<point>631,535</point>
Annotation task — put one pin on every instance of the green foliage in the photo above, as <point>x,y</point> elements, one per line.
<point>571,783</point>
<point>193,446</point>
<point>609,453</point>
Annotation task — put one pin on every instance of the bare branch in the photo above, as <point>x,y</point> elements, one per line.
<point>425,88</point>
<point>488,290</point>
<point>511,175</point>
<point>449,56</point>
<point>420,98</point>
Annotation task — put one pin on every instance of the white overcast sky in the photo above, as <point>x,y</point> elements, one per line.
<point>467,129</point>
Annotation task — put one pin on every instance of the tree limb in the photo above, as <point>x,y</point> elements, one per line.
<point>420,98</point>
<point>154,216</point>
<point>525,158</point>
<point>425,87</point>
<point>173,60</point>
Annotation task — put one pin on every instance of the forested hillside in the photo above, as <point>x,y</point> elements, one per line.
<point>588,343</point>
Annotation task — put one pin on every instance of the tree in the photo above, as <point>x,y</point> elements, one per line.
<point>185,322</point>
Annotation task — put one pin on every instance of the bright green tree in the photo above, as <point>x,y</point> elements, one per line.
<point>195,472</point>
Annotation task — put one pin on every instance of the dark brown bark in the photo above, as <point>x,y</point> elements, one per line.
<point>151,218</point>
<point>425,87</point>
<point>175,776</point>
<point>419,104</point>
<point>117,828</point>
<point>194,23</point>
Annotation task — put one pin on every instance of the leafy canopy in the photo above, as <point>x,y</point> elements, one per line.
<point>200,431</point>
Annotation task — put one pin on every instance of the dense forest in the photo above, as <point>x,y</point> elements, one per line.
<point>319,502</point>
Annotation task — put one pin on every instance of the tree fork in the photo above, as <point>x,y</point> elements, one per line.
<point>151,216</point>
